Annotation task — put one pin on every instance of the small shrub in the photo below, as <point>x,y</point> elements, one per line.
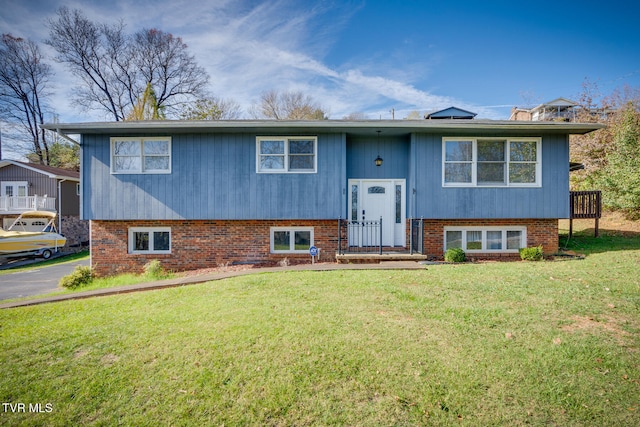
<point>532,254</point>
<point>154,270</point>
<point>455,255</point>
<point>80,277</point>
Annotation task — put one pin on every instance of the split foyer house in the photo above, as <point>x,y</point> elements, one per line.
<point>197,194</point>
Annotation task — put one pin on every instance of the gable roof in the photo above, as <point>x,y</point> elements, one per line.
<point>558,102</point>
<point>50,171</point>
<point>450,113</point>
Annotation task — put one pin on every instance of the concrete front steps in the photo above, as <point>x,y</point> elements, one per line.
<point>367,258</point>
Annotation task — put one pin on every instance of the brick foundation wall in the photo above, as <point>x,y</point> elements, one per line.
<point>539,232</point>
<point>215,243</point>
<point>204,244</point>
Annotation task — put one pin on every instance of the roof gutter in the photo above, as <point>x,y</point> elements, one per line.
<point>60,205</point>
<point>360,127</point>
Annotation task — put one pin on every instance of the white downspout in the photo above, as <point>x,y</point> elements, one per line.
<point>60,205</point>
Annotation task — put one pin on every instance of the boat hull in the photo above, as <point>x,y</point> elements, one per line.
<point>30,242</point>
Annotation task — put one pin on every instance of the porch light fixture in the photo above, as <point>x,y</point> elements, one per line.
<point>378,159</point>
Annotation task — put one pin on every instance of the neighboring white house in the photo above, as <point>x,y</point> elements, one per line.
<point>560,109</point>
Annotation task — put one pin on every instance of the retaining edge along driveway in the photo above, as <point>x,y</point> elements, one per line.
<point>192,280</point>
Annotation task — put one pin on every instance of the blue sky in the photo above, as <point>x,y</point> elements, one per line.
<point>377,56</point>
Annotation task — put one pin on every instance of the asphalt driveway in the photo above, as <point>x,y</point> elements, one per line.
<point>39,280</point>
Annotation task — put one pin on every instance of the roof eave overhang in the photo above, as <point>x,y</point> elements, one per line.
<point>352,127</point>
<point>6,162</point>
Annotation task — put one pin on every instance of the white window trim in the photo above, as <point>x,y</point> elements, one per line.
<point>149,230</point>
<point>15,185</point>
<point>291,230</point>
<point>504,229</point>
<point>113,140</point>
<point>474,162</point>
<point>286,140</point>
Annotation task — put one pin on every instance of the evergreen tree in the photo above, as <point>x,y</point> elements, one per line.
<point>146,108</point>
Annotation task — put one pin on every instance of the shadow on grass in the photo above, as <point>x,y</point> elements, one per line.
<point>584,241</point>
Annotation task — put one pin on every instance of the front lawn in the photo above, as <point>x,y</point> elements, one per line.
<point>547,343</point>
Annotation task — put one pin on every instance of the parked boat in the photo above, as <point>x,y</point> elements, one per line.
<point>16,241</point>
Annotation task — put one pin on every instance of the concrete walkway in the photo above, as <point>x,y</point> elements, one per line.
<point>219,275</point>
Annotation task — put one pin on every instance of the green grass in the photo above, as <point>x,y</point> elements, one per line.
<point>536,343</point>
<point>586,243</point>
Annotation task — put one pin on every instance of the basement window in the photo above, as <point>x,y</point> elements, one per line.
<point>291,239</point>
<point>150,240</point>
<point>486,239</point>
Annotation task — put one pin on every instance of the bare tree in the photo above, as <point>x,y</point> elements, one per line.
<point>163,61</point>
<point>211,108</point>
<point>288,106</point>
<point>356,116</point>
<point>116,68</point>
<point>24,77</point>
<point>414,115</point>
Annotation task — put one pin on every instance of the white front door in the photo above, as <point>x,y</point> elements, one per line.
<point>370,200</point>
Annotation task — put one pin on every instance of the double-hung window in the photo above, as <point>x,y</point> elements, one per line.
<point>491,162</point>
<point>140,155</point>
<point>150,240</point>
<point>286,154</point>
<point>486,239</point>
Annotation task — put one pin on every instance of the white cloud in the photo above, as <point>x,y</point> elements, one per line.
<point>249,47</point>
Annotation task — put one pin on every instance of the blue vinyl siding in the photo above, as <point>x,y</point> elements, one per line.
<point>431,200</point>
<point>362,151</point>
<point>213,177</point>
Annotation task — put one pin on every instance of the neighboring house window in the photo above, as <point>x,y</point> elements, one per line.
<point>291,239</point>
<point>485,239</point>
<point>14,188</point>
<point>491,162</point>
<point>146,240</point>
<point>14,195</point>
<point>286,154</point>
<point>141,155</point>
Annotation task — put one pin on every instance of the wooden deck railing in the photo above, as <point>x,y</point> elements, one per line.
<point>585,204</point>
